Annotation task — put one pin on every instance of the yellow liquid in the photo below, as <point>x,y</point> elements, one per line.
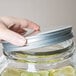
<point>64,71</point>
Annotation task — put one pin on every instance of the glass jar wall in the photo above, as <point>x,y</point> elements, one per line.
<point>55,60</point>
<point>46,54</point>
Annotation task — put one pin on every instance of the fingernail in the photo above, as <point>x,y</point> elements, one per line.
<point>22,42</point>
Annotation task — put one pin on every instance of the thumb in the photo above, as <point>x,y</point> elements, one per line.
<point>12,37</point>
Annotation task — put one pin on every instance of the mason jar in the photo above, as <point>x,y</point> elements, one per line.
<point>46,54</point>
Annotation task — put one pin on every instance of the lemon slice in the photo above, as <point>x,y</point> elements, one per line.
<point>69,71</point>
<point>29,74</point>
<point>10,72</point>
<point>56,73</point>
<point>65,71</point>
<point>44,73</point>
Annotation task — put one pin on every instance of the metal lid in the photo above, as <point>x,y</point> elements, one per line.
<point>43,39</point>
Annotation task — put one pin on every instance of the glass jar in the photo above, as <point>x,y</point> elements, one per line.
<point>46,54</point>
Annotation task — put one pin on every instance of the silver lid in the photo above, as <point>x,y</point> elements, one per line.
<point>43,39</point>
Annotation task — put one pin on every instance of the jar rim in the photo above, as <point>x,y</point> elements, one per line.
<point>46,51</point>
<point>54,57</point>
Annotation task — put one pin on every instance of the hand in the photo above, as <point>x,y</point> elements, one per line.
<point>12,29</point>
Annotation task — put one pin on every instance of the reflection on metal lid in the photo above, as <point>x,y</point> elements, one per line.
<point>43,39</point>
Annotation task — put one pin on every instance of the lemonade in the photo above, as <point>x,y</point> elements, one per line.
<point>64,71</point>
